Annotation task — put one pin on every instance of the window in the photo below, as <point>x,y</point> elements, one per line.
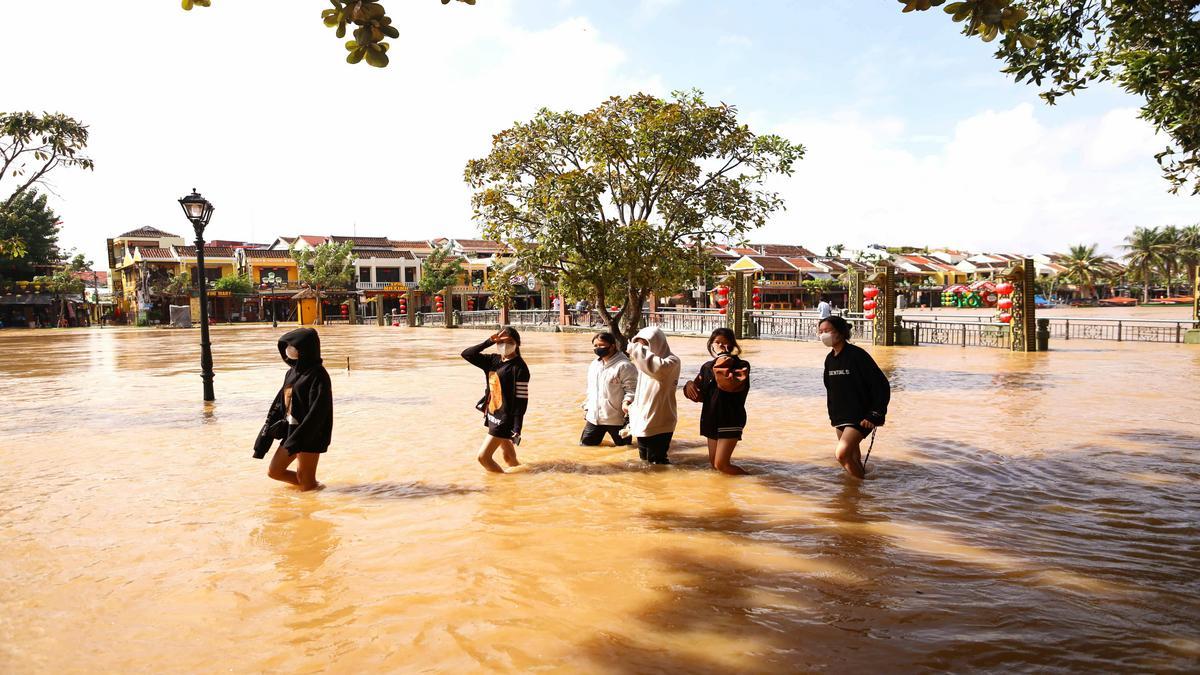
<point>211,274</point>
<point>281,274</point>
<point>387,274</point>
<point>410,274</point>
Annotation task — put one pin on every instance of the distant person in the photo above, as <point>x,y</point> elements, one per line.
<point>824,309</point>
<point>305,405</point>
<point>611,385</point>
<point>505,397</point>
<point>653,415</point>
<point>556,303</point>
<point>857,393</point>
<point>722,386</point>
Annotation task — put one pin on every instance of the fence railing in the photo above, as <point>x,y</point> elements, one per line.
<point>431,318</point>
<point>687,323</point>
<point>960,333</point>
<point>489,318</point>
<point>532,317</point>
<point>1062,328</point>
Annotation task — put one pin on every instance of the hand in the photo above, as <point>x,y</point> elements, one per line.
<point>740,374</point>
<point>625,408</point>
<point>640,341</point>
<point>866,424</point>
<point>500,337</point>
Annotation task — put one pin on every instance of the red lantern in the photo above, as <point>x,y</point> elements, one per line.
<point>869,316</point>
<point>722,301</point>
<point>721,311</point>
<point>1005,317</point>
<point>869,305</point>
<point>1004,288</point>
<point>722,290</point>
<point>1005,304</point>
<point>757,304</point>
<point>614,308</point>
<point>870,292</point>
<point>345,310</point>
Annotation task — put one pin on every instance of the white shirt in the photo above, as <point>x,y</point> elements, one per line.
<point>824,310</point>
<point>611,382</point>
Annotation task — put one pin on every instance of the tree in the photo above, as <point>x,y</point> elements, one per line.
<point>618,202</point>
<point>180,284</point>
<point>1168,250</point>
<point>13,247</point>
<point>1144,254</point>
<point>440,270</point>
<point>32,146</point>
<point>1084,267</point>
<point>834,251</point>
<point>1149,48</point>
<point>61,284</point>
<point>1189,252</point>
<point>370,17</point>
<point>35,227</point>
<point>499,284</point>
<point>237,285</point>
<point>329,265</point>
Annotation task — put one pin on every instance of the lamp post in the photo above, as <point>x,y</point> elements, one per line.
<point>272,280</point>
<point>199,210</point>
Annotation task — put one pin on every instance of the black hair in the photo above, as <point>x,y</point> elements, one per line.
<point>512,333</point>
<point>730,339</point>
<point>839,324</point>
<point>605,337</point>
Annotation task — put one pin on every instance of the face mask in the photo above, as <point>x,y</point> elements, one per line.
<point>827,339</point>
<point>506,349</point>
<point>601,352</point>
<point>292,353</point>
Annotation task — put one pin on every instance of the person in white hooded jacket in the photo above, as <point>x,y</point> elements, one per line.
<point>653,416</point>
<point>611,383</point>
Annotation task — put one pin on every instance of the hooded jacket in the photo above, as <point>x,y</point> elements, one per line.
<point>311,394</point>
<point>856,389</point>
<point>653,411</point>
<point>610,384</point>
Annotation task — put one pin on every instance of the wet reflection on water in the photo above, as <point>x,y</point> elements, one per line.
<point>1028,511</point>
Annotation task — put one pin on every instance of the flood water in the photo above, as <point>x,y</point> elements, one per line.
<point>1037,511</point>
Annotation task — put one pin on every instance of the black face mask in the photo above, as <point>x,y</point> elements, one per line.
<point>601,352</point>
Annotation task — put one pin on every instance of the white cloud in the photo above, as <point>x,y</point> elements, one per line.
<point>1002,181</point>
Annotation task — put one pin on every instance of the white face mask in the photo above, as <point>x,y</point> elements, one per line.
<point>827,339</point>
<point>506,349</point>
<point>292,352</point>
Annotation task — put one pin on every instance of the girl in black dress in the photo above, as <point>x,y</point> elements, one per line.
<point>722,386</point>
<point>505,398</point>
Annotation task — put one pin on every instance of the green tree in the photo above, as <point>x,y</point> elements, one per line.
<point>180,284</point>
<point>373,27</point>
<point>1170,238</point>
<point>1084,268</point>
<point>238,285</point>
<point>440,270</point>
<point>33,145</point>
<point>1144,254</point>
<point>1150,48</point>
<point>61,284</point>
<point>619,201</point>
<point>29,221</point>
<point>1189,252</point>
<point>327,266</point>
<point>499,284</point>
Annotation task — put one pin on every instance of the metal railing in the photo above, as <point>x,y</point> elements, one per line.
<point>381,285</point>
<point>532,317</point>
<point>799,326</point>
<point>431,318</point>
<point>958,333</point>
<point>1062,328</point>
<point>687,323</point>
<point>486,318</point>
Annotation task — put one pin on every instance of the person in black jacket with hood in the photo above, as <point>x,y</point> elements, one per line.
<point>857,393</point>
<point>505,398</point>
<point>306,402</point>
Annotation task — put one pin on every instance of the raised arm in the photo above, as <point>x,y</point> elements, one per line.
<point>652,364</point>
<point>476,357</point>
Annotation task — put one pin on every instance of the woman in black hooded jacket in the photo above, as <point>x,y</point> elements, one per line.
<point>306,402</point>
<point>857,393</point>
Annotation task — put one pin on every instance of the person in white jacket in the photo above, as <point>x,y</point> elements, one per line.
<point>611,382</point>
<point>652,416</point>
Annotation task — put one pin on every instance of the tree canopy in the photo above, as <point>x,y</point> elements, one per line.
<point>440,270</point>
<point>34,227</point>
<point>1149,49</point>
<point>32,145</point>
<point>330,265</point>
<point>620,202</point>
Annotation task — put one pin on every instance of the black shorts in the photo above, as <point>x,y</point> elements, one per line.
<point>712,431</point>
<point>854,425</point>
<point>594,433</point>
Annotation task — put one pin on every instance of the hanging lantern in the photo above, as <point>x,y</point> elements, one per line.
<point>869,305</point>
<point>1004,288</point>
<point>1005,317</point>
<point>722,301</point>
<point>1005,304</point>
<point>870,292</point>
<point>869,316</point>
<point>345,309</point>
<point>614,308</point>
<point>722,290</point>
<point>721,311</point>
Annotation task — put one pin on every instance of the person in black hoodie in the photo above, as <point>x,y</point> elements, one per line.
<point>505,397</point>
<point>857,393</point>
<point>306,402</point>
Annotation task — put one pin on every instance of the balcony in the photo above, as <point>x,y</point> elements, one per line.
<point>385,285</point>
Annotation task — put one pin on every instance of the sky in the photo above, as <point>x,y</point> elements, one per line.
<point>912,134</point>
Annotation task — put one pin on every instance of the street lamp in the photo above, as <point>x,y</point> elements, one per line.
<point>199,210</point>
<point>272,280</point>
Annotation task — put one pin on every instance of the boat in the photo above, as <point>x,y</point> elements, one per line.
<point>1177,300</point>
<point>1118,302</point>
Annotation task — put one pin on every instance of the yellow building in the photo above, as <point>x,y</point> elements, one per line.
<point>122,275</point>
<point>219,261</point>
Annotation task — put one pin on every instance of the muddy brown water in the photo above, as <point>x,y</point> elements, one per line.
<point>1026,512</point>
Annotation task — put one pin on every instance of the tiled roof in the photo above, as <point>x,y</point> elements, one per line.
<point>389,253</point>
<point>785,250</point>
<point>410,243</point>
<point>772,264</point>
<point>209,251</point>
<point>264,253</point>
<point>150,253</point>
<point>148,231</point>
<point>99,276</point>
<point>312,239</point>
<point>804,265</point>
<point>482,244</point>
<point>363,241</point>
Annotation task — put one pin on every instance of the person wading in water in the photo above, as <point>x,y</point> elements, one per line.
<point>857,393</point>
<point>306,404</point>
<point>505,398</point>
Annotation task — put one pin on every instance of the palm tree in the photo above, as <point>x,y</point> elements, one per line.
<point>1085,267</point>
<point>1168,248</point>
<point>1189,252</point>
<point>1144,254</point>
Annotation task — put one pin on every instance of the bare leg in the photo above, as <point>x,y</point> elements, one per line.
<point>722,461</point>
<point>490,444</point>
<point>712,452</point>
<point>848,453</point>
<point>306,471</point>
<point>278,469</point>
<point>510,452</point>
